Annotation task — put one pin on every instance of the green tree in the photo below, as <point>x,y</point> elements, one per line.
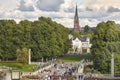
<point>7,48</point>
<point>86,28</point>
<point>22,55</point>
<point>105,41</point>
<point>76,34</point>
<point>44,37</point>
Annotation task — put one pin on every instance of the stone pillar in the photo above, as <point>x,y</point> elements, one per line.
<point>29,56</point>
<point>88,50</point>
<point>112,65</point>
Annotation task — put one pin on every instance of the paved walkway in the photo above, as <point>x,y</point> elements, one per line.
<point>38,71</point>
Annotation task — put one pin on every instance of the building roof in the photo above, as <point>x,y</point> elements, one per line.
<point>83,39</point>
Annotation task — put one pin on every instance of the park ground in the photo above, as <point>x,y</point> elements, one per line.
<point>32,67</point>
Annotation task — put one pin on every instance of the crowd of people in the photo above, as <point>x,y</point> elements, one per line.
<point>59,70</point>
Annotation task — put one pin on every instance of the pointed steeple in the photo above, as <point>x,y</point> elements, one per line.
<point>76,13</point>
<point>76,21</point>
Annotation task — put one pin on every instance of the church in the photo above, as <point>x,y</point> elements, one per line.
<point>80,44</point>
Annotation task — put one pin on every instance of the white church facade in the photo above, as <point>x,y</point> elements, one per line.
<point>80,44</point>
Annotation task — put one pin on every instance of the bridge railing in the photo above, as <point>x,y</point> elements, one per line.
<point>100,76</point>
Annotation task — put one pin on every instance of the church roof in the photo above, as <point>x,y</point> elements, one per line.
<point>82,39</point>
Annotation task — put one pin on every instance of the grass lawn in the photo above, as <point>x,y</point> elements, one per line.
<point>74,58</point>
<point>19,66</point>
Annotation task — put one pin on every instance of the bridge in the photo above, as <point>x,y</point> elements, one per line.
<point>90,76</point>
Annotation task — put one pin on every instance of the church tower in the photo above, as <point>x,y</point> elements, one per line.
<point>76,21</point>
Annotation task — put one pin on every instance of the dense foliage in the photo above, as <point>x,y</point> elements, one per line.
<point>88,31</point>
<point>105,42</point>
<point>44,37</point>
<point>22,55</point>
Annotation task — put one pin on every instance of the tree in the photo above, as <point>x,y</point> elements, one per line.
<point>22,55</point>
<point>7,48</point>
<point>44,37</point>
<point>86,28</point>
<point>105,41</point>
<point>76,34</point>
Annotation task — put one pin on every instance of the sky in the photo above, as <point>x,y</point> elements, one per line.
<point>91,12</point>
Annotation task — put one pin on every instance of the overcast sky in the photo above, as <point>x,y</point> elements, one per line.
<point>91,12</point>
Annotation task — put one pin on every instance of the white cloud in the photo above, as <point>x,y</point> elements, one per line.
<point>9,5</point>
<point>91,12</point>
<point>97,4</point>
<point>65,21</point>
<point>91,22</point>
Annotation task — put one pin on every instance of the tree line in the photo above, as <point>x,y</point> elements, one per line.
<point>44,37</point>
<point>105,41</point>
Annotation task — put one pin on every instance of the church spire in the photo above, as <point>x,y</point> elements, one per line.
<point>76,21</point>
<point>76,13</point>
